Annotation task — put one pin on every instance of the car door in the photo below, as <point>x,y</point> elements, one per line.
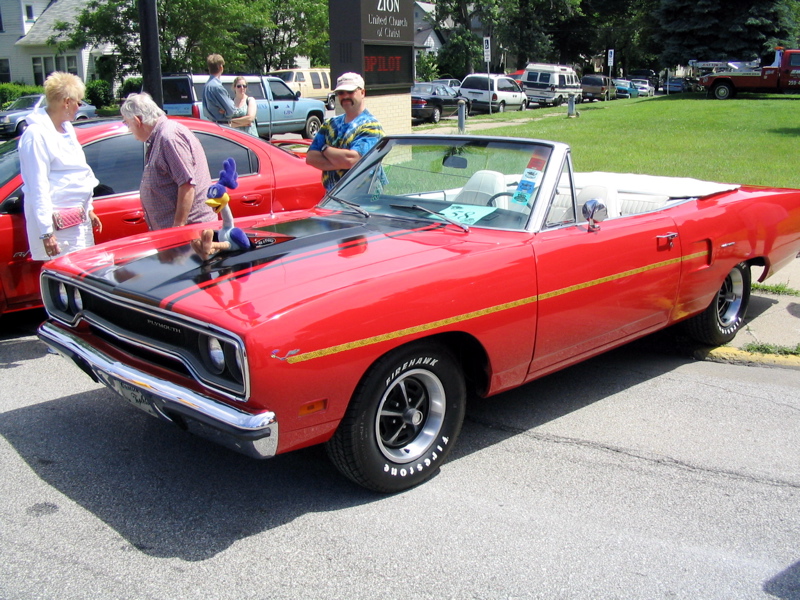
<point>283,103</point>
<point>254,194</point>
<point>599,288</point>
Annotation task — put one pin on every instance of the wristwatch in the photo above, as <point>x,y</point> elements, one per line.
<point>324,147</point>
<point>46,236</point>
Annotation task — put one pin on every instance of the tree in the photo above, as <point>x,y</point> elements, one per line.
<point>427,67</point>
<point>252,35</point>
<point>723,29</point>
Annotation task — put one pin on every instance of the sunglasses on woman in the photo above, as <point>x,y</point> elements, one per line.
<point>241,86</point>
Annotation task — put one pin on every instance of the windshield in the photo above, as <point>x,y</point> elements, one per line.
<point>9,161</point>
<point>23,103</point>
<point>474,182</point>
<point>287,76</point>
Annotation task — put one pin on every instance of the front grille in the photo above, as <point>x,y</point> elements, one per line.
<point>157,337</point>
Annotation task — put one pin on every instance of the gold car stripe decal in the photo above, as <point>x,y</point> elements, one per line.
<point>385,337</point>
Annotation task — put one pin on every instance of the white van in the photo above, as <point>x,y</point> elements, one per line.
<point>311,83</point>
<point>551,84</point>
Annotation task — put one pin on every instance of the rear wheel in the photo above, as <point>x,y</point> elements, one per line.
<point>437,114</point>
<point>312,127</point>
<point>403,420</point>
<point>723,91</point>
<point>331,103</point>
<point>719,323</point>
<point>501,107</point>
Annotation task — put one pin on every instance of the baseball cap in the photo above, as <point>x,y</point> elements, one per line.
<point>349,82</point>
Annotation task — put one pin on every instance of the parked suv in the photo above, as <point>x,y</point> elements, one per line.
<point>280,110</point>
<point>550,84</point>
<point>311,83</point>
<point>598,87</point>
<point>497,91</point>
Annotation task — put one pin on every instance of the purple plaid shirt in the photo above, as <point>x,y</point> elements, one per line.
<point>174,156</point>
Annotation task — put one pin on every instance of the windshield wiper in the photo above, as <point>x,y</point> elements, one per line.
<point>434,213</point>
<point>353,205</point>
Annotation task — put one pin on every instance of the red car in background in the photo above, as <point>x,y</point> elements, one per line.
<point>271,179</point>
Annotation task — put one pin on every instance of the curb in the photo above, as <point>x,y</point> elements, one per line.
<point>740,357</point>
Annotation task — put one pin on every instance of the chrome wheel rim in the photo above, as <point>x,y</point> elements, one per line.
<point>410,416</point>
<point>729,299</point>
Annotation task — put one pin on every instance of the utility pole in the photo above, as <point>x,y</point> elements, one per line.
<point>151,56</point>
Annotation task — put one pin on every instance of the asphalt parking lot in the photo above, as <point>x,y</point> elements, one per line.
<point>643,473</point>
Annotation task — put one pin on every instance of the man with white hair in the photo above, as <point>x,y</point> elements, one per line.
<point>344,139</point>
<point>176,176</point>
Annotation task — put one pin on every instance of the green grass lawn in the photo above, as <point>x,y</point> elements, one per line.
<point>751,140</point>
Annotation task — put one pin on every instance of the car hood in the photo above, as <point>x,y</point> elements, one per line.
<point>294,260</point>
<point>14,113</point>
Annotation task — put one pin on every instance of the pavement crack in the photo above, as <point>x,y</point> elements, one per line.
<point>647,457</point>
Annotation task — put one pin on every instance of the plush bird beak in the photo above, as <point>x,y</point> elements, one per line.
<point>218,203</point>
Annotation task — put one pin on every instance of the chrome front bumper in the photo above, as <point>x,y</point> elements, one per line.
<point>255,435</point>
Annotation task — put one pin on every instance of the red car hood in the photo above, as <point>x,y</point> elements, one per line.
<point>298,256</point>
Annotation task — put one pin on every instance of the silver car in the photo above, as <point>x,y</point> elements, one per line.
<point>12,119</point>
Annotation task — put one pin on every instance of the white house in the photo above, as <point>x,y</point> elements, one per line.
<point>427,38</point>
<point>25,55</point>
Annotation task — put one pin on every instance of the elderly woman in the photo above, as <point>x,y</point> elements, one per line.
<point>58,182</point>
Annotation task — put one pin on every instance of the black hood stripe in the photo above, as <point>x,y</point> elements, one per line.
<point>350,242</point>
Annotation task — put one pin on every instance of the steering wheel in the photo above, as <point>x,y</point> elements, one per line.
<point>491,201</point>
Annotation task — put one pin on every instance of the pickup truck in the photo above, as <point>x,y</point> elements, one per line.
<point>783,76</point>
<point>280,110</point>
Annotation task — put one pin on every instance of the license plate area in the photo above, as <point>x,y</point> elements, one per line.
<point>141,399</point>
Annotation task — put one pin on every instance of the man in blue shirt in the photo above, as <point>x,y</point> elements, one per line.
<point>216,101</point>
<point>344,139</point>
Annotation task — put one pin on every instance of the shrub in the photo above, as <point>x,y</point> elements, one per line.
<point>11,91</point>
<point>98,92</point>
<point>132,85</point>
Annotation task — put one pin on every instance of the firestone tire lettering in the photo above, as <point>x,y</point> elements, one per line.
<point>403,419</point>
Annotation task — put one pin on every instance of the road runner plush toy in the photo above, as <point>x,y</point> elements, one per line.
<point>228,237</point>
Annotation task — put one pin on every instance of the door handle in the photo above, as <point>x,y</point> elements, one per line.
<point>252,199</point>
<point>134,218</point>
<point>669,237</point>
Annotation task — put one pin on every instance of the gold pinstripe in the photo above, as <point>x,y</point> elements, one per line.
<point>392,335</point>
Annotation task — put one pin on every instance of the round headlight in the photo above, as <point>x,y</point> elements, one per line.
<point>62,297</point>
<point>216,355</point>
<point>77,301</point>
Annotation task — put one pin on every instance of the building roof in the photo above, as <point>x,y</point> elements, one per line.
<point>43,28</point>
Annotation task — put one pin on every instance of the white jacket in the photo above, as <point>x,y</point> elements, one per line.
<point>55,175</point>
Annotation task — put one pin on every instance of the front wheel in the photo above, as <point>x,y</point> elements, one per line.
<point>312,127</point>
<point>403,419</point>
<point>719,323</point>
<point>331,103</point>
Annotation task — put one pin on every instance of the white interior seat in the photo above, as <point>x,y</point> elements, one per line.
<point>481,186</point>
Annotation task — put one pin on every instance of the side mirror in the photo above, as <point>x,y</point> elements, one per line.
<point>12,205</point>
<point>297,95</point>
<point>594,212</point>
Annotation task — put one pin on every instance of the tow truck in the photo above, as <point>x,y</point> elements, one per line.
<point>728,78</point>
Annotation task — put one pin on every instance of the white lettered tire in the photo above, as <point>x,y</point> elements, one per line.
<point>403,419</point>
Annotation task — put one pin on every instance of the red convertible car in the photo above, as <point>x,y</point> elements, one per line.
<point>270,179</point>
<point>440,266</point>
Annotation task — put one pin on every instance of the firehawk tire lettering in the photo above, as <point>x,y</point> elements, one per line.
<point>403,419</point>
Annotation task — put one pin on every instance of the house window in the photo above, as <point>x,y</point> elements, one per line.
<point>29,12</point>
<point>44,65</point>
<point>5,71</point>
